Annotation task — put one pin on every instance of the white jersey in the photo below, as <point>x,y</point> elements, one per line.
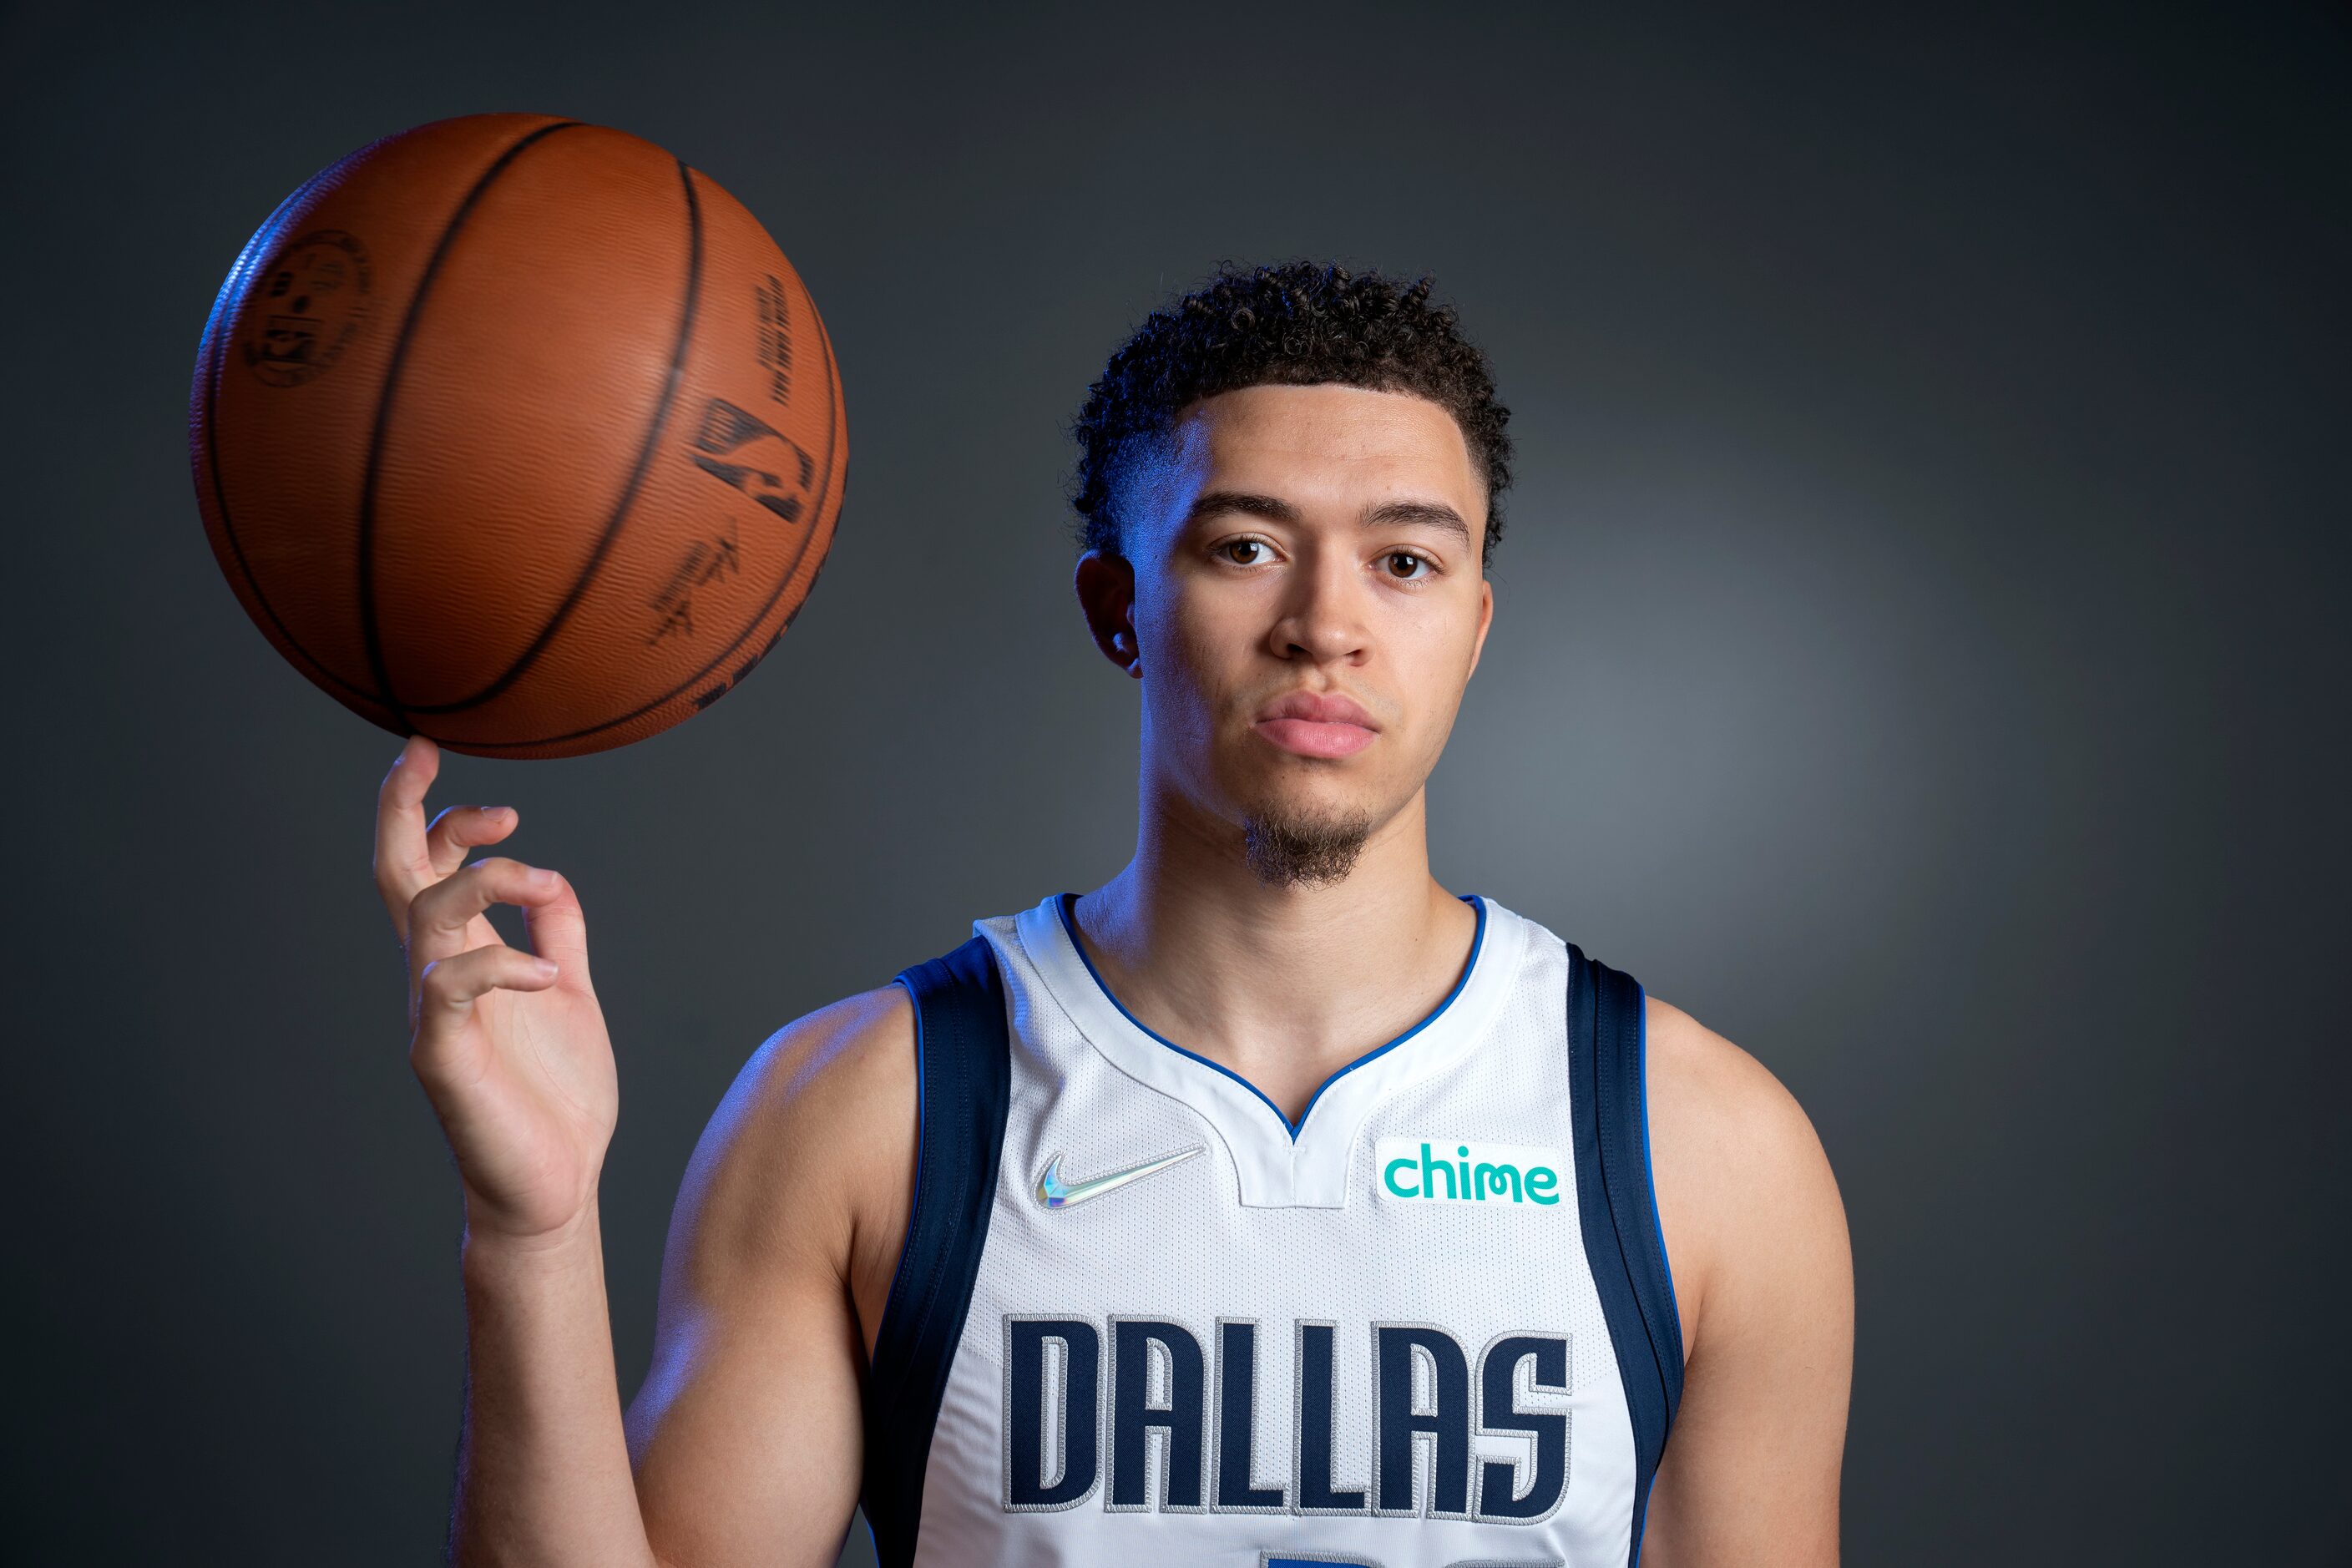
<point>1141,1318</point>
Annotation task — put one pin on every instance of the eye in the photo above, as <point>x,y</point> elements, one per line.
<point>1243,551</point>
<point>1407,566</point>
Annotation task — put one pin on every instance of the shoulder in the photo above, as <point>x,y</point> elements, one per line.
<point>1747,1202</point>
<point>763,1293</point>
<point>1706,1086</point>
<point>810,1158</point>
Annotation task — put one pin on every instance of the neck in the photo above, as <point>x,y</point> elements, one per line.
<point>1284,986</point>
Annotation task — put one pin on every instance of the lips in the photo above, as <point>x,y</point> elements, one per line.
<point>1313,724</point>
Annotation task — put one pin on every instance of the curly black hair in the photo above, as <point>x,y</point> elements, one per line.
<point>1294,324</point>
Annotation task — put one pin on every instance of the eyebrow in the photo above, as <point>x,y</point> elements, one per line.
<point>1210,503</point>
<point>1427,514</point>
<point>1273,509</point>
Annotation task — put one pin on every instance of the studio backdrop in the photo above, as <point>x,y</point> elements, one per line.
<point>1919,654</point>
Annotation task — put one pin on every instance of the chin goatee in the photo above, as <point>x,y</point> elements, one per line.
<point>1303,851</point>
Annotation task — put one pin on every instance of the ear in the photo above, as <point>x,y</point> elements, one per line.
<point>1106,586</point>
<point>1486,623</point>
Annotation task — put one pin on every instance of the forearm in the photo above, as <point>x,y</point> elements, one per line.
<point>543,1473</point>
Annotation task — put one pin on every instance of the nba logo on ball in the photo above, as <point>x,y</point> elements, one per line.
<point>755,458</point>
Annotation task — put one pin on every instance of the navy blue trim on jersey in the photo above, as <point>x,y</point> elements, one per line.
<point>1067,904</point>
<point>964,1071</point>
<point>1607,1040</point>
<point>1650,1183</point>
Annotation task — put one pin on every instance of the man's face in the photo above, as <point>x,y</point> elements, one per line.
<point>1307,605</point>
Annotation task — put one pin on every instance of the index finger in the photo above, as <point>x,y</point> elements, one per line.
<point>403,868</point>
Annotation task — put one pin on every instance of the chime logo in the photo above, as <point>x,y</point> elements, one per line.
<point>1448,1171</point>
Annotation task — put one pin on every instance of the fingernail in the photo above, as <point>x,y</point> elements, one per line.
<point>544,967</point>
<point>540,877</point>
<point>496,812</point>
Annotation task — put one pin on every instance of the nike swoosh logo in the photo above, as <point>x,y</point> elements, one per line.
<point>1056,1193</point>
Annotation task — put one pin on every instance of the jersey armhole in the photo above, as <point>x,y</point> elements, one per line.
<point>1617,1207</point>
<point>964,1078</point>
<point>1650,1183</point>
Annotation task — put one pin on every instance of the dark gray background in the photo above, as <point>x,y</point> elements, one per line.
<point>1921,654</point>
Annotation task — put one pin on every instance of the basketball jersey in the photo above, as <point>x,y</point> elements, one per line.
<point>1143,1319</point>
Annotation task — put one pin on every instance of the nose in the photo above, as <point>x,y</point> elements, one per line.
<point>1321,619</point>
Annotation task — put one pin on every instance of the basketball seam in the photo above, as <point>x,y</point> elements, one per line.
<point>370,634</point>
<point>759,619</point>
<point>629,500</point>
<point>217,332</point>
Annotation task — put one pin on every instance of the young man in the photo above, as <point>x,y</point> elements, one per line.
<point>1267,1204</point>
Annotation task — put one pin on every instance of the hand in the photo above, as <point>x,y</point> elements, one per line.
<point>510,1047</point>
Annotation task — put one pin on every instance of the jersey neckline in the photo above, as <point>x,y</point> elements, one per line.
<point>1065,905</point>
<point>1305,1163</point>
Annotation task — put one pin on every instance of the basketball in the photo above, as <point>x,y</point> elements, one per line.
<point>518,432</point>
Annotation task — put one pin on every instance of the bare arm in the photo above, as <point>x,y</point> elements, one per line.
<point>542,1472</point>
<point>1764,1279</point>
<point>746,1435</point>
<point>512,1051</point>
<point>747,1431</point>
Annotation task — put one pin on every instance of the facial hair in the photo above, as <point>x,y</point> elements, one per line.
<point>1293,849</point>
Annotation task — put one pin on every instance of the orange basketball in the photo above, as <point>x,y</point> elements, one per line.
<point>518,432</point>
